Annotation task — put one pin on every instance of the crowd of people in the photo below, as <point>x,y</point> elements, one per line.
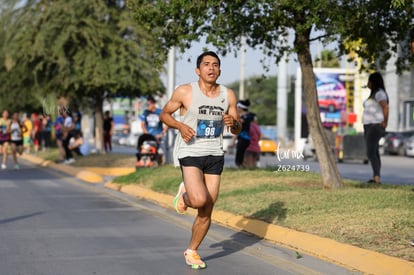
<point>23,133</point>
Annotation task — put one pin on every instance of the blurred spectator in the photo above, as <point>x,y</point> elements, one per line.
<point>68,133</point>
<point>46,132</point>
<point>37,126</point>
<point>152,124</point>
<point>243,138</point>
<point>27,140</point>
<point>58,124</point>
<point>16,130</point>
<point>77,119</point>
<point>375,120</point>
<point>108,129</point>
<point>252,154</point>
<point>78,145</point>
<point>4,137</point>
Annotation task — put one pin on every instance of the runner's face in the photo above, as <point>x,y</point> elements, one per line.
<point>209,69</point>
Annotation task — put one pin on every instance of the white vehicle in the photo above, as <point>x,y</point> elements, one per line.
<point>409,146</point>
<point>309,149</point>
<point>130,140</point>
<point>227,141</point>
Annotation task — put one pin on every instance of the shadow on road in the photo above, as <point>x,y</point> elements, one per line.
<point>9,220</point>
<point>253,231</point>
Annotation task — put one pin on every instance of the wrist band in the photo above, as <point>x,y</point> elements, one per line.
<point>236,125</point>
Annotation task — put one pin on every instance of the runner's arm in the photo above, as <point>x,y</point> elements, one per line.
<point>175,103</point>
<point>232,118</point>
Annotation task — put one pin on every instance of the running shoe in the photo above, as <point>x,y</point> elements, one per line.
<point>3,166</point>
<point>193,260</point>
<point>69,161</point>
<point>412,242</point>
<point>16,166</point>
<point>179,204</point>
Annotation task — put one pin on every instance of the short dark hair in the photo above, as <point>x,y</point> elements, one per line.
<point>210,53</point>
<point>151,99</point>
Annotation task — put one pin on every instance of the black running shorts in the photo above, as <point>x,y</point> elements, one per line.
<point>208,164</point>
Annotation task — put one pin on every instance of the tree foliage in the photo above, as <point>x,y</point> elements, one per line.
<point>82,49</point>
<point>379,25</point>
<point>8,84</point>
<point>328,59</point>
<point>267,24</point>
<point>262,93</point>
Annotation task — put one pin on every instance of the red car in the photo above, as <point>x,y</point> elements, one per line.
<point>329,104</point>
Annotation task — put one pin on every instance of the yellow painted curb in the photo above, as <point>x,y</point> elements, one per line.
<point>349,256</point>
<point>87,176</point>
<point>113,186</point>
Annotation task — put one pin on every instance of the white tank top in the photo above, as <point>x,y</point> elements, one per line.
<point>16,131</point>
<point>204,115</point>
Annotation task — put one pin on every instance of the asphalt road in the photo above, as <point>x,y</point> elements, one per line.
<point>53,224</point>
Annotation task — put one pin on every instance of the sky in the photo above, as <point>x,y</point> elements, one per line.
<point>230,65</point>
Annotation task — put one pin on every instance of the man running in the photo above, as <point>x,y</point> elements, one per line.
<point>205,108</point>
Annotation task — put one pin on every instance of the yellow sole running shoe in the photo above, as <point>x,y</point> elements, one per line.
<point>193,260</point>
<point>180,210</point>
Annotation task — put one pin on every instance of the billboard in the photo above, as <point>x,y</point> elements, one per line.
<point>335,95</point>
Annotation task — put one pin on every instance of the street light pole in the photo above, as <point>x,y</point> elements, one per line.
<point>170,89</point>
<point>282,101</point>
<point>242,66</point>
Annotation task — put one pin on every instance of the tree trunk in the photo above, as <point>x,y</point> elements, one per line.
<point>329,171</point>
<point>99,125</point>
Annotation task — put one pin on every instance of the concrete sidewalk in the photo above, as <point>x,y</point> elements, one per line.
<point>351,257</point>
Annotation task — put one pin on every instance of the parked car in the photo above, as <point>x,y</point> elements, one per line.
<point>394,142</point>
<point>267,146</point>
<point>409,146</point>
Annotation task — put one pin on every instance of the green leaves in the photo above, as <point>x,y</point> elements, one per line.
<point>381,25</point>
<point>77,48</point>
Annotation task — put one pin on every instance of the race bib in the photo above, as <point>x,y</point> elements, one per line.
<point>209,128</point>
